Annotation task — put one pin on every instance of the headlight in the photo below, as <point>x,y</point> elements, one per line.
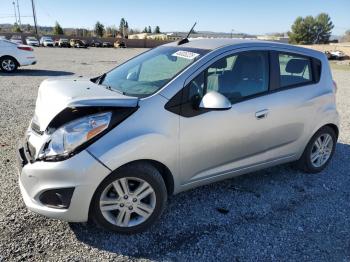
<point>70,136</point>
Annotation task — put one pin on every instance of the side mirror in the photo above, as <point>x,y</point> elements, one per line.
<point>215,101</point>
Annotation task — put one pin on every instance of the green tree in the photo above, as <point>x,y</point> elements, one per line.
<point>311,30</point>
<point>28,28</point>
<point>145,30</point>
<point>16,28</point>
<point>149,30</point>
<point>323,28</point>
<point>99,29</point>
<point>57,30</point>
<point>157,30</point>
<point>123,27</point>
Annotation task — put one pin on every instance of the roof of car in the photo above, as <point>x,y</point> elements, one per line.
<point>216,43</point>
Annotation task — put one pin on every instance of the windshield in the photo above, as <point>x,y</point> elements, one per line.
<point>147,73</point>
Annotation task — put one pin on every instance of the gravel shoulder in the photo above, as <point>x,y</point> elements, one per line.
<point>275,214</point>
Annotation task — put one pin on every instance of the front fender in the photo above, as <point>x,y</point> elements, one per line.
<point>149,146</point>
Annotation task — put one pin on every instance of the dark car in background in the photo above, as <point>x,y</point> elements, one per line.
<point>119,44</point>
<point>77,43</point>
<point>107,44</point>
<point>96,43</point>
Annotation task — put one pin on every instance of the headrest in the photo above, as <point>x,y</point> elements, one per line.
<point>296,66</point>
<point>220,64</point>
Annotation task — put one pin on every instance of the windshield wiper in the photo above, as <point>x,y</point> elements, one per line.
<point>115,90</point>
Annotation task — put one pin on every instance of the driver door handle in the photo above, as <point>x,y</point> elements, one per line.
<point>261,114</point>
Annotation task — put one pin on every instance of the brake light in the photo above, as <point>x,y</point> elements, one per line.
<point>25,48</point>
<point>335,87</point>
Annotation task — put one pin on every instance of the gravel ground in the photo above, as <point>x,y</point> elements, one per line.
<point>275,214</point>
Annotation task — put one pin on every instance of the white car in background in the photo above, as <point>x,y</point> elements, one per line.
<point>46,41</point>
<point>16,39</point>
<point>32,41</point>
<point>13,56</point>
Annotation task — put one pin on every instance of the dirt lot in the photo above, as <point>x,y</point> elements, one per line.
<point>345,47</point>
<point>276,214</point>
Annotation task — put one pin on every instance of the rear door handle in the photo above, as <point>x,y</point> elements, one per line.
<point>261,114</point>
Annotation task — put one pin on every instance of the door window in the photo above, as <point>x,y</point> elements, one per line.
<point>294,70</point>
<point>237,77</point>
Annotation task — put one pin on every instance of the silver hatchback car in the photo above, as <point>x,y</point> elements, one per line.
<point>112,148</point>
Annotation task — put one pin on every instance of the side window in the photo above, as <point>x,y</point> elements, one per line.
<point>236,77</point>
<point>294,70</point>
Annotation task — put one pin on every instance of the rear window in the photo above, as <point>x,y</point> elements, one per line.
<point>294,70</point>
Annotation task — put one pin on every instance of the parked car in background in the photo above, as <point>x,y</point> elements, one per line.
<point>46,41</point>
<point>107,44</point>
<point>14,55</point>
<point>95,148</point>
<point>119,44</point>
<point>32,41</point>
<point>2,37</point>
<point>16,39</point>
<point>63,42</point>
<point>338,55</point>
<point>95,43</point>
<point>77,43</point>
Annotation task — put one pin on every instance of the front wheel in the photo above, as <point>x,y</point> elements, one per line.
<point>129,200</point>
<point>319,151</point>
<point>8,64</point>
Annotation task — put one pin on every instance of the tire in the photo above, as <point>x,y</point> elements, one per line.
<point>135,175</point>
<point>305,163</point>
<point>8,64</point>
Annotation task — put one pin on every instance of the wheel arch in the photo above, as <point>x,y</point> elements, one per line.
<point>163,170</point>
<point>334,127</point>
<point>9,56</point>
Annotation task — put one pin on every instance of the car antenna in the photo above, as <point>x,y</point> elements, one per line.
<point>185,40</point>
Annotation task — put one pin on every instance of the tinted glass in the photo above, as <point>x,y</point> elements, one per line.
<point>236,77</point>
<point>294,70</point>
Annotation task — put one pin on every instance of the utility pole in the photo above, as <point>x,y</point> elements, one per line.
<point>19,15</point>
<point>14,8</point>
<point>34,17</point>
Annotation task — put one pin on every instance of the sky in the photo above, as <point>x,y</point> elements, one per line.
<point>244,16</point>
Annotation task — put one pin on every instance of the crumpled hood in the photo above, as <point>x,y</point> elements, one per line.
<point>54,95</point>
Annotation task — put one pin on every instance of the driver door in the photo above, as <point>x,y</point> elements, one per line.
<point>216,143</point>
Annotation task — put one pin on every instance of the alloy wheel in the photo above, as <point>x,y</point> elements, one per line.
<point>8,65</point>
<point>127,202</point>
<point>321,150</point>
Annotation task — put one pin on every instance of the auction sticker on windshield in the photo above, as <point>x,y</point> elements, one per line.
<point>185,54</point>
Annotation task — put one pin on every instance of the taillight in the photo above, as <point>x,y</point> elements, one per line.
<point>25,48</point>
<point>335,87</point>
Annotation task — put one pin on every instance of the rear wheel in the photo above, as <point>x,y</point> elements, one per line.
<point>130,200</point>
<point>319,151</point>
<point>8,64</point>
